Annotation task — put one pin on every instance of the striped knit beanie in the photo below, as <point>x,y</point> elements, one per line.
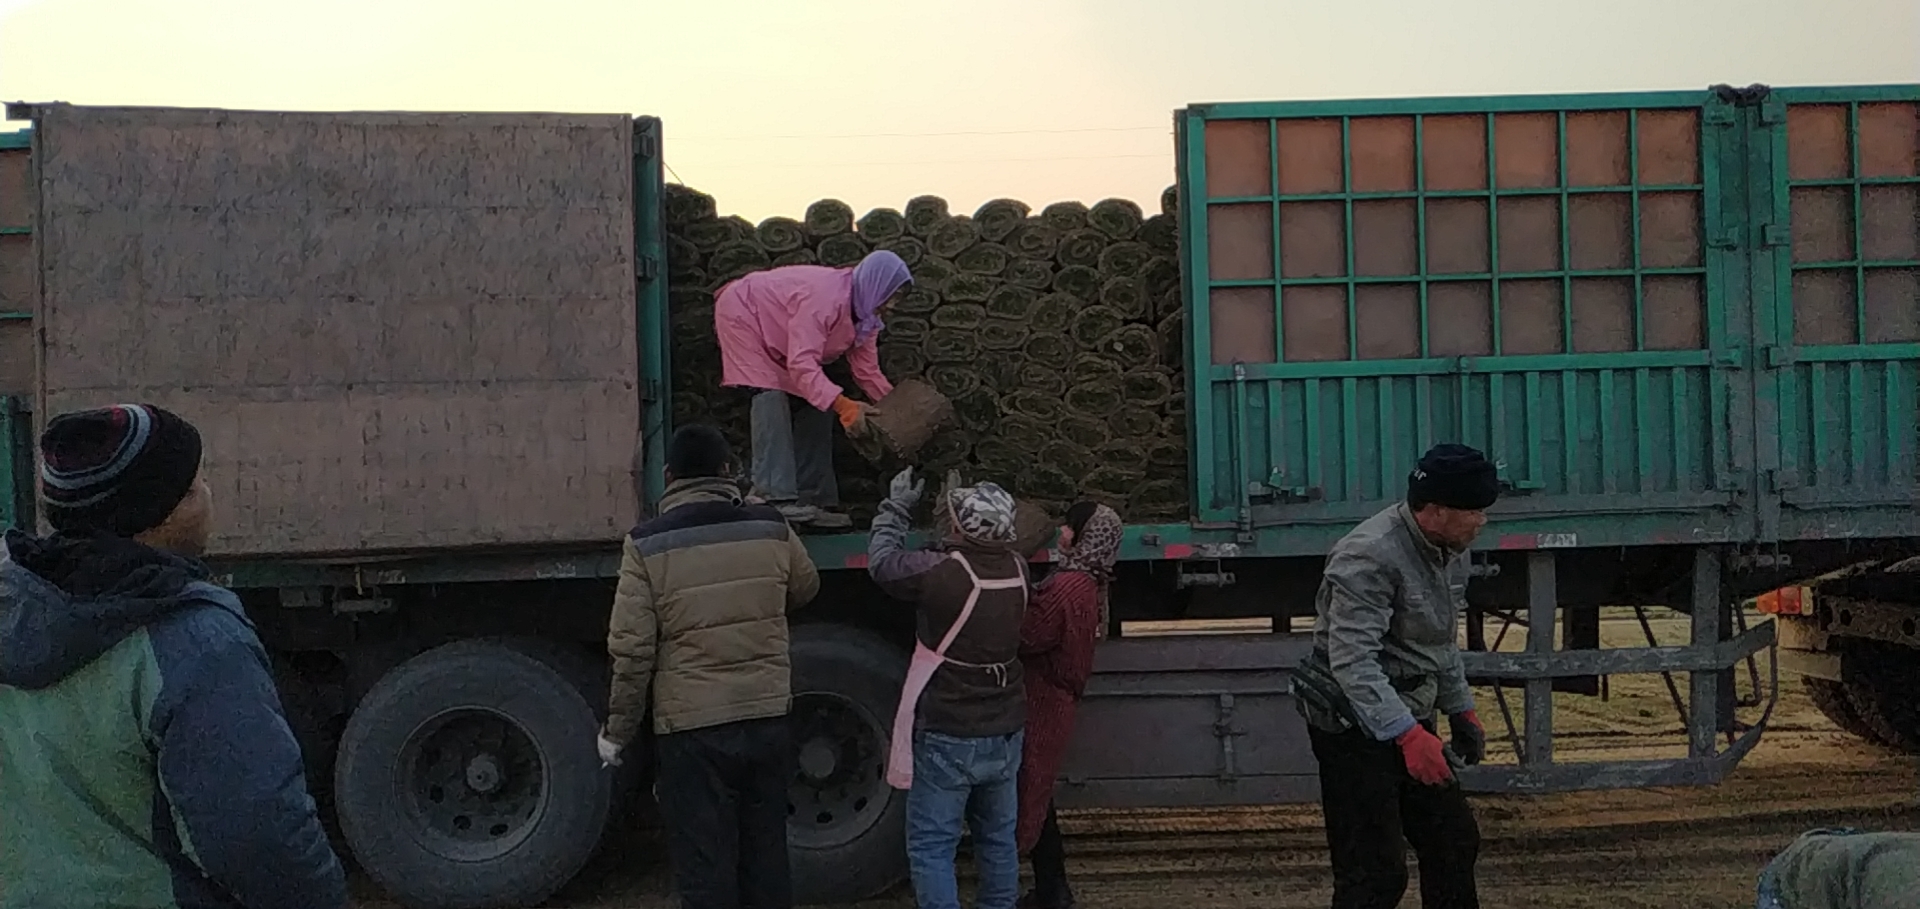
<point>121,469</point>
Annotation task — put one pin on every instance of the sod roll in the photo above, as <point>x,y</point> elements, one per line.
<point>999,218</point>
<point>829,217</point>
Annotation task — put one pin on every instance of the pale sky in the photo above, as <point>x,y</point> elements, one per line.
<point>770,104</point>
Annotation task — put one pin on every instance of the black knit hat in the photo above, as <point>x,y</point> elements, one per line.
<point>1455,476</point>
<point>120,469</point>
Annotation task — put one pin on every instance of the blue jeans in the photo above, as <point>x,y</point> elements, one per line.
<point>792,451</point>
<point>958,780</point>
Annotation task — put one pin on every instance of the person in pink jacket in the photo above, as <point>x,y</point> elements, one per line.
<point>777,328</point>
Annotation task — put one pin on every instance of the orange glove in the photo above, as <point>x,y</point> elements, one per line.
<point>1426,759</point>
<point>852,413</point>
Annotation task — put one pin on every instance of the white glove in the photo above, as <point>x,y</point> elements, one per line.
<point>905,489</point>
<point>609,752</point>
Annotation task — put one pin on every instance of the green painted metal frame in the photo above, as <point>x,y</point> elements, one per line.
<point>15,140</point>
<point>1846,462</point>
<point>650,295</point>
<point>1233,407</point>
<point>16,463</point>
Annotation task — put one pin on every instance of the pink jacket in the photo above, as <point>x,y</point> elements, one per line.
<point>778,327</point>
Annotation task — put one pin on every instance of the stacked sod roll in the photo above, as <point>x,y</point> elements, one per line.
<point>1057,334</point>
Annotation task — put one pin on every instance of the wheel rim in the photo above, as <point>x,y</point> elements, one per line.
<point>839,789</point>
<point>473,784</point>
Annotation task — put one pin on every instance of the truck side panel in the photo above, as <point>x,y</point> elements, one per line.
<point>1528,275</point>
<point>16,266</point>
<point>1838,212</point>
<point>358,309</point>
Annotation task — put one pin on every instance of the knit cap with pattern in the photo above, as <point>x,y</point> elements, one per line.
<point>119,470</point>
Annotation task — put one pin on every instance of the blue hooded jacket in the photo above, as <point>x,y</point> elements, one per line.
<point>144,758</point>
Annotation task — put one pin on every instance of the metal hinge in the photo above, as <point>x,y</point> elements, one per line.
<point>1741,97</point>
<point>646,268</point>
<point>1780,479</point>
<point>1778,356</point>
<point>1283,495</point>
<point>1775,235</point>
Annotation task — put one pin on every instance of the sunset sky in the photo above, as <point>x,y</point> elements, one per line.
<point>769,105</point>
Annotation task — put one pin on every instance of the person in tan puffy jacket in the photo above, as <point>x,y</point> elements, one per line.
<point>700,620</point>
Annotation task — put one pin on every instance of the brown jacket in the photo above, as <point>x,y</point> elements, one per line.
<point>964,701</point>
<point>702,605</point>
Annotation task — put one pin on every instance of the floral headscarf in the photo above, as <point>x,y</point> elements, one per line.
<point>1096,547</point>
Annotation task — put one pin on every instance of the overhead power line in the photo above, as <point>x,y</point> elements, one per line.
<point>709,165</point>
<point>976,132</point>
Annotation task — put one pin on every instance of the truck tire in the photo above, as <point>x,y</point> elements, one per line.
<point>1883,685</point>
<point>467,778</point>
<point>846,828</point>
<point>1830,698</point>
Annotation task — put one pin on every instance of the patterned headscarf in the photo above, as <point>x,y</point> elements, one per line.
<point>983,513</point>
<point>1096,547</point>
<point>874,280</point>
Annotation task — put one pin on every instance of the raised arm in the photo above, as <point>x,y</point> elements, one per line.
<point>898,570</point>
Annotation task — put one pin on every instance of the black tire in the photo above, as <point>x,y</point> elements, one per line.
<point>467,778</point>
<point>1830,698</point>
<point>846,833</point>
<point>1883,685</point>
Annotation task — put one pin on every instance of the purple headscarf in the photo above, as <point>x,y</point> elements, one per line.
<point>874,280</point>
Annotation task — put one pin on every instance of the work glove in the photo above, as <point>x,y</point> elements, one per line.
<point>1426,758</point>
<point>1469,737</point>
<point>852,414</point>
<point>905,489</point>
<point>609,752</point>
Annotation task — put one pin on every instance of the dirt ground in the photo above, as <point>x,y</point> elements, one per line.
<point>1696,848</point>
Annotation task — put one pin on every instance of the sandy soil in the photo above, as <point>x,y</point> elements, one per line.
<point>1640,849</point>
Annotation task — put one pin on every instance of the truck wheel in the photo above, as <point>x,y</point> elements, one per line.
<point>467,778</point>
<point>846,828</point>
<point>1830,698</point>
<point>1883,685</point>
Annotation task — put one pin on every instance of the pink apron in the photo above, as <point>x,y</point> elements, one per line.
<point>926,662</point>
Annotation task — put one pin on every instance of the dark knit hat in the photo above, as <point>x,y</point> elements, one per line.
<point>120,469</point>
<point>1455,476</point>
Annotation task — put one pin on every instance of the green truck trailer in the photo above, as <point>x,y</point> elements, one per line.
<point>429,351</point>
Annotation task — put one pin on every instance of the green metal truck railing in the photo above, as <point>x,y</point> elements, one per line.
<point>16,462</point>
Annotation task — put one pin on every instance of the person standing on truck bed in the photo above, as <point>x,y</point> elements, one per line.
<point>777,328</point>
<point>958,730</point>
<point>1056,650</point>
<point>144,757</point>
<point>702,603</point>
<point>1384,661</point>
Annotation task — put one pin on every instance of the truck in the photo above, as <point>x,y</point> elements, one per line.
<point>1853,637</point>
<point>429,355</point>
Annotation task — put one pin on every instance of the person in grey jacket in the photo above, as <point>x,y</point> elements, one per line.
<point>1384,663</point>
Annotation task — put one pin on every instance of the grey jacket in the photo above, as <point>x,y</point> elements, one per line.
<point>1844,869</point>
<point>1385,629</point>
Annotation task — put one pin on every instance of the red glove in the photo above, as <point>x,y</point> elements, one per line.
<point>1426,761</point>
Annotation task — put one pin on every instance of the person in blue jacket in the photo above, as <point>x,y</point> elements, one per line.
<point>144,758</point>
